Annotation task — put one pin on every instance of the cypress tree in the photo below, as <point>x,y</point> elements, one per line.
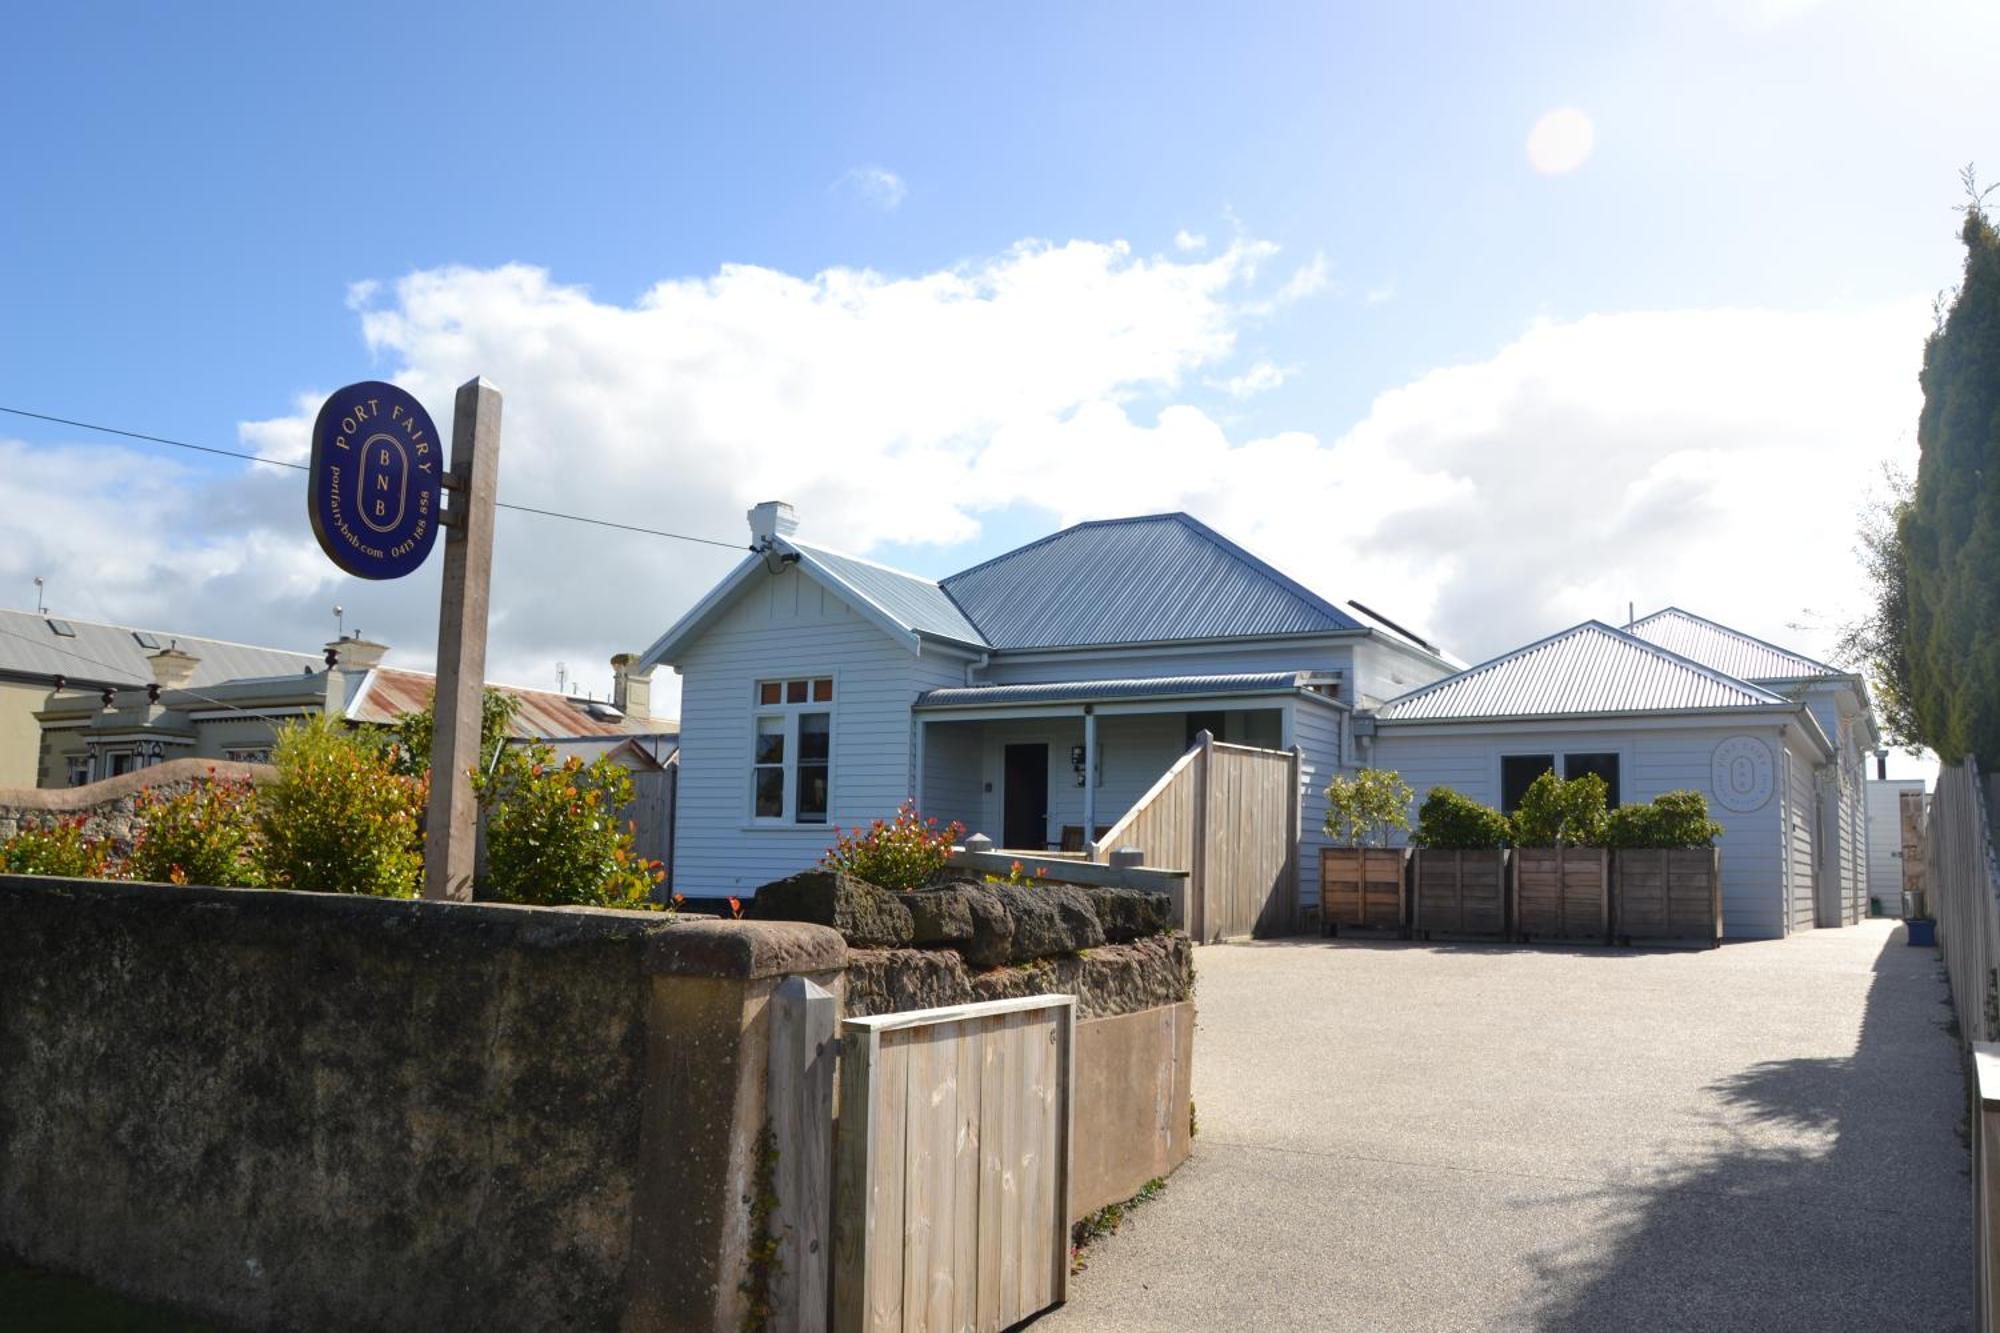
<point>1951,531</point>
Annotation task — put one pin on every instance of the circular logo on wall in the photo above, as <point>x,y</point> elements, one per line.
<point>376,476</point>
<point>1741,775</point>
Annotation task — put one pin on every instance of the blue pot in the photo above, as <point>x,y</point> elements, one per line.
<point>1923,933</point>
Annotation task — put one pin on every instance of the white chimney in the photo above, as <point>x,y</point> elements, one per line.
<point>773,518</point>
<point>172,668</point>
<point>355,653</point>
<point>631,692</point>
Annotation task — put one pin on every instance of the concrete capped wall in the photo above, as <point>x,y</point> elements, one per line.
<point>108,807</point>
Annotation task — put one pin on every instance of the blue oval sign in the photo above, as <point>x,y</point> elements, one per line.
<point>376,479</point>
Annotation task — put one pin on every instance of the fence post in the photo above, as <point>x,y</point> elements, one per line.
<point>799,1100</point>
<point>1198,869</point>
<point>1985,1179</point>
<point>1294,836</point>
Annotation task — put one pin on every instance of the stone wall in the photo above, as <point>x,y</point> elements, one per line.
<point>296,1111</point>
<point>108,807</point>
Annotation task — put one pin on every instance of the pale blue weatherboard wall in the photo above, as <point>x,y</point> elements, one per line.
<point>788,625</point>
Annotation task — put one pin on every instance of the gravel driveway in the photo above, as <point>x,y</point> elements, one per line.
<point>1764,1137</point>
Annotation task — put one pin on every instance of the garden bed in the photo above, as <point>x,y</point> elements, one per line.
<point>1363,888</point>
<point>1562,893</point>
<point>1461,893</point>
<point>1663,895</point>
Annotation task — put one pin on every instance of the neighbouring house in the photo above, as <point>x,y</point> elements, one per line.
<point>41,653</point>
<point>1035,697</point>
<point>88,736</point>
<point>1777,741</point>
<point>1886,852</point>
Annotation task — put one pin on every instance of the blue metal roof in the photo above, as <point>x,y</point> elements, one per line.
<point>1098,691</point>
<point>1726,649</point>
<point>914,602</point>
<point>1590,669</point>
<point>1153,579</point>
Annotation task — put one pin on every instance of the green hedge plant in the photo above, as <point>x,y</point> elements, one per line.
<point>1363,810</point>
<point>59,849</point>
<point>901,854</point>
<point>1555,813</point>
<point>338,818</point>
<point>553,836</point>
<point>1452,821</point>
<point>1672,819</point>
<point>204,835</point>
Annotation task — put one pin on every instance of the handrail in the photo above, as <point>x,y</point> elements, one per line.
<point>1125,821</point>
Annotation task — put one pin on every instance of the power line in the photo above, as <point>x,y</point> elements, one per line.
<point>301,467</point>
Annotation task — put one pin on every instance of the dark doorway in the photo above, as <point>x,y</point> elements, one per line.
<point>1024,815</point>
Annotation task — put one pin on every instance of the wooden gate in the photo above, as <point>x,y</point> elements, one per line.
<point>951,1196</point>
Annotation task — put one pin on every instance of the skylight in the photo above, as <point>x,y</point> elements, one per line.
<point>62,627</point>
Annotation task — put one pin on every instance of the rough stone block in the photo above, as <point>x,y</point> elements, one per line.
<point>868,917</point>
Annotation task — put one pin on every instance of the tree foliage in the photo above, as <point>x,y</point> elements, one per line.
<point>553,836</point>
<point>1555,813</point>
<point>1950,532</point>
<point>414,734</point>
<point>1879,642</point>
<point>1363,810</point>
<point>204,835</point>
<point>338,818</point>
<point>1671,819</point>
<point>1452,821</point>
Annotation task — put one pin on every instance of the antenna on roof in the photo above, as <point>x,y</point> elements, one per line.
<point>1631,617</point>
<point>562,677</point>
<point>339,622</point>
<point>39,607</point>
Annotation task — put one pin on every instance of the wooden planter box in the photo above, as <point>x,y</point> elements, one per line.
<point>1663,895</point>
<point>1461,893</point>
<point>1562,893</point>
<point>1362,888</point>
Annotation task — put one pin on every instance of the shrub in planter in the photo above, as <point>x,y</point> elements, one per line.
<point>338,818</point>
<point>899,854</point>
<point>57,849</point>
<point>1451,821</point>
<point>1363,810</point>
<point>205,835</point>
<point>1672,819</point>
<point>1555,813</point>
<point>553,836</point>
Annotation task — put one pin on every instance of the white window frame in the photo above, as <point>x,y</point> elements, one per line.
<point>790,713</point>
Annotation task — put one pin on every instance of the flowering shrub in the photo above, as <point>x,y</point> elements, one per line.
<point>1555,813</point>
<point>553,835</point>
<point>1018,874</point>
<point>338,818</point>
<point>1452,821</point>
<point>900,854</point>
<point>59,849</point>
<point>1362,810</point>
<point>205,835</point>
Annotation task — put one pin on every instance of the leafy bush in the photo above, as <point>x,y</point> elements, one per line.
<point>1555,813</point>
<point>1673,819</point>
<point>899,854</point>
<point>413,735</point>
<point>1364,809</point>
<point>205,835</point>
<point>1453,821</point>
<point>57,849</point>
<point>338,818</point>
<point>553,838</point>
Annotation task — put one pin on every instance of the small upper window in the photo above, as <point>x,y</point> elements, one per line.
<point>62,627</point>
<point>812,689</point>
<point>144,640</point>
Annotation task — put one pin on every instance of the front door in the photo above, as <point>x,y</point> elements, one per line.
<point>1024,813</point>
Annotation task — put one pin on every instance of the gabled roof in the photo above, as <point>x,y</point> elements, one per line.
<point>1587,670</point>
<point>1153,579</point>
<point>915,603</point>
<point>35,644</point>
<point>1726,649</point>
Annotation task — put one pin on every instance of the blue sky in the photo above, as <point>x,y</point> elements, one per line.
<point>194,192</point>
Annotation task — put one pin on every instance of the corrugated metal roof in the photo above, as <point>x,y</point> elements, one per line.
<point>1727,650</point>
<point>1135,580</point>
<point>113,654</point>
<point>913,602</point>
<point>390,692</point>
<point>1097,691</point>
<point>1591,668</point>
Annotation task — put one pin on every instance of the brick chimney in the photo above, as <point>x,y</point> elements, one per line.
<point>631,692</point>
<point>172,668</point>
<point>773,518</point>
<point>358,654</point>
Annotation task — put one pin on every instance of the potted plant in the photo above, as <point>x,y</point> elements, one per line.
<point>1360,876</point>
<point>1666,872</point>
<point>1460,866</point>
<point>1562,872</point>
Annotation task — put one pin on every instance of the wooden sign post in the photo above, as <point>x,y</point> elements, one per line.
<point>451,829</point>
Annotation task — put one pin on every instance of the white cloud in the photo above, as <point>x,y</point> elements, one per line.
<point>1713,458</point>
<point>1561,141</point>
<point>1381,295</point>
<point>1187,241</point>
<point>1260,378</point>
<point>877,186</point>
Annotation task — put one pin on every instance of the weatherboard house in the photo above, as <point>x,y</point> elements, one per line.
<point>1035,698</point>
<point>1777,741</point>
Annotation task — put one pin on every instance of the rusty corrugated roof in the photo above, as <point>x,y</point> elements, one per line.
<point>390,692</point>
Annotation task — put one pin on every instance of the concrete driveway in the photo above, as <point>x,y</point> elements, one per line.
<point>1408,1136</point>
